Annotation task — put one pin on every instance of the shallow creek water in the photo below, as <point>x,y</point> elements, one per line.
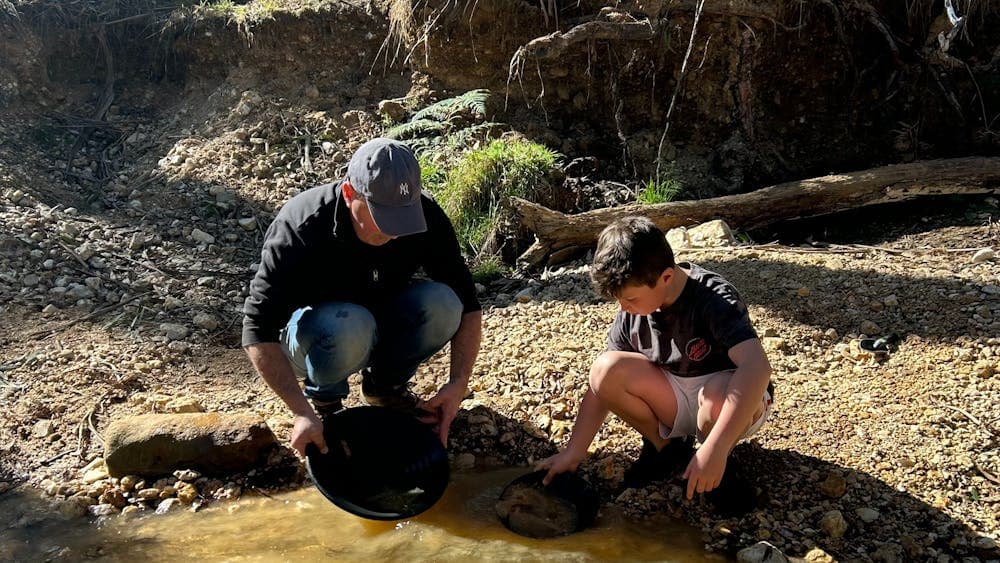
<point>303,526</point>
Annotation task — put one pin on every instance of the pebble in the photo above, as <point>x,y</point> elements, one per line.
<point>168,505</point>
<point>174,331</point>
<point>834,486</point>
<point>201,236</point>
<point>983,255</point>
<point>833,524</point>
<point>205,321</point>
<point>867,515</point>
<point>761,552</point>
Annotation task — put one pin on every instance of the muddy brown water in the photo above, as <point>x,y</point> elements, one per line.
<point>303,526</point>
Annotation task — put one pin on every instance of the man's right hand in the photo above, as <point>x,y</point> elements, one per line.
<point>562,462</point>
<point>308,429</point>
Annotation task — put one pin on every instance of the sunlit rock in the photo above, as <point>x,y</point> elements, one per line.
<point>155,444</point>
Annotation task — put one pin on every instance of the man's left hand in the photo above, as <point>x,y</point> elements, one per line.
<point>705,470</point>
<point>444,406</point>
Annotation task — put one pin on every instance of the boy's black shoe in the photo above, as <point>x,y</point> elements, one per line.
<point>653,465</point>
<point>735,496</point>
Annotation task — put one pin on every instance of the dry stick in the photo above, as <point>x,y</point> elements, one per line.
<point>42,334</point>
<point>989,476</point>
<point>988,427</point>
<point>91,429</point>
<point>57,457</point>
<point>677,88</point>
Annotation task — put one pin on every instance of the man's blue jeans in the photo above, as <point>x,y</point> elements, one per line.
<point>326,343</point>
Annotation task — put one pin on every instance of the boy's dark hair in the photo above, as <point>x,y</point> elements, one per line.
<point>630,251</point>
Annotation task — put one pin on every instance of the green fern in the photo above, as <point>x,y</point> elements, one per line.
<point>480,132</point>
<point>415,128</point>
<point>473,101</point>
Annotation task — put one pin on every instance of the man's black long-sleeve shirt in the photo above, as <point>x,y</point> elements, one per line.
<point>312,255</point>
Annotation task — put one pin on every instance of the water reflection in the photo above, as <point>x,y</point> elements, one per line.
<point>303,526</point>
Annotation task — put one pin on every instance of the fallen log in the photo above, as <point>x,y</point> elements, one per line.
<point>557,232</point>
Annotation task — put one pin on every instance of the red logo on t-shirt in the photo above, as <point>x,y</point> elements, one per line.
<point>697,349</point>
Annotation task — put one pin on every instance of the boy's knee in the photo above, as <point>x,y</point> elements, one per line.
<point>603,368</point>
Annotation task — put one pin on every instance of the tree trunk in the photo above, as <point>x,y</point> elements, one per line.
<point>555,231</point>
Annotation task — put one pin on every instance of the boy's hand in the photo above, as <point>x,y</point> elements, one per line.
<point>560,463</point>
<point>705,470</point>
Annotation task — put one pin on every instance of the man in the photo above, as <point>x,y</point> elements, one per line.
<point>335,294</point>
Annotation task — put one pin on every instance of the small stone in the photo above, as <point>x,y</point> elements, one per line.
<point>186,475</point>
<point>985,543</point>
<point>761,552</point>
<point>774,343</point>
<point>867,515</point>
<point>95,475</point>
<point>817,555</point>
<point>248,223</point>
<point>890,301</point>
<point>525,295</point>
<point>31,280</point>
<point>169,504</point>
<point>870,328</point>
<point>42,428</point>
<point>182,405</point>
<point>834,486</point>
<point>174,331</point>
<point>833,524</point>
<point>102,510</point>
<point>187,493</point>
<point>206,321</point>
<point>803,292</point>
<point>49,309</point>
<point>201,236</point>
<point>149,494</point>
<point>983,255</point>
<point>395,109</point>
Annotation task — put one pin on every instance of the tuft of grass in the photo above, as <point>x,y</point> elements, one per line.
<point>661,190</point>
<point>477,190</point>
<point>488,268</point>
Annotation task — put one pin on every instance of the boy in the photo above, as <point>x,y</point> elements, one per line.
<point>682,360</point>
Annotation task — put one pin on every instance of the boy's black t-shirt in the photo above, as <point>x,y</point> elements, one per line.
<point>692,336</point>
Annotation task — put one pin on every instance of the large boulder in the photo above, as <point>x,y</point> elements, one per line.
<point>155,444</point>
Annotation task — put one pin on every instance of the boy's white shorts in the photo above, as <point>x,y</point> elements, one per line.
<point>686,423</point>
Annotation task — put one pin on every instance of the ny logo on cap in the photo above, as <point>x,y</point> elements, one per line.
<point>404,189</point>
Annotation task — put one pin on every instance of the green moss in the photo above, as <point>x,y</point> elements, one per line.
<point>477,190</point>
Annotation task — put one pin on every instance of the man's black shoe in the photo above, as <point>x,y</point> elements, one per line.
<point>653,465</point>
<point>326,409</point>
<point>735,496</point>
<point>400,399</point>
